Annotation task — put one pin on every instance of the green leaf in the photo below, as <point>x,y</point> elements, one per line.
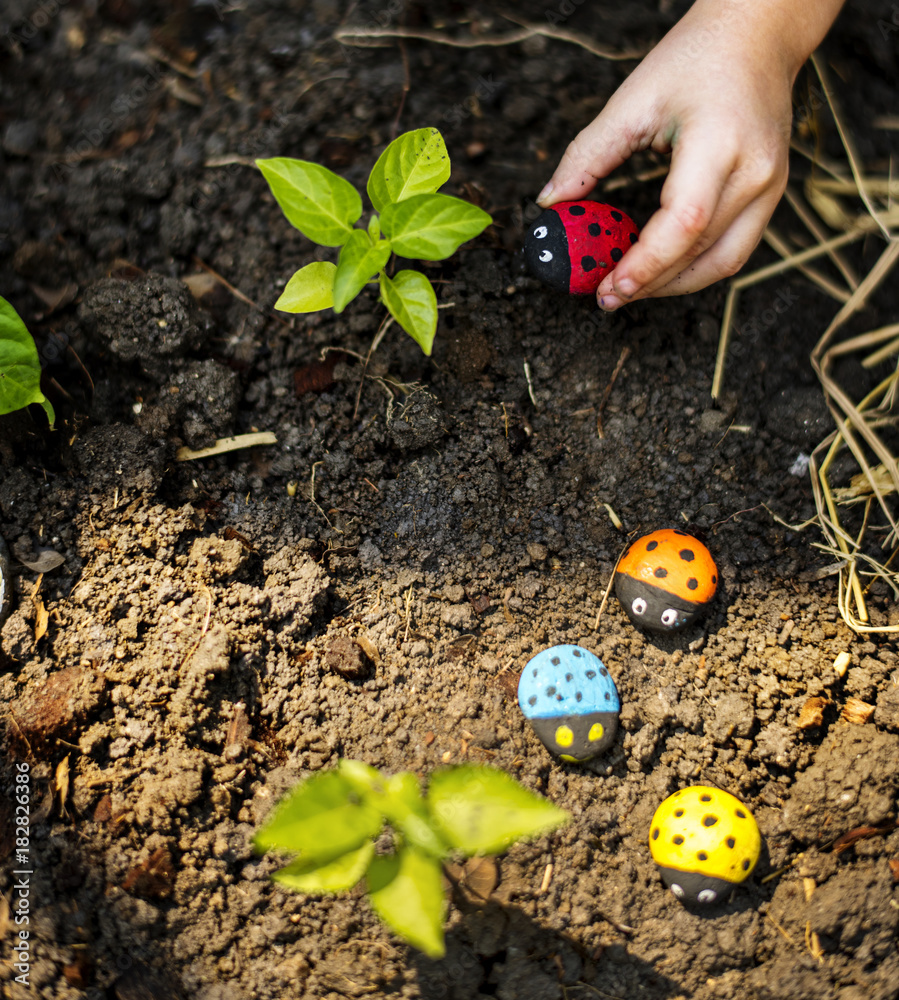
<point>406,891</point>
<point>374,228</point>
<point>321,819</point>
<point>334,876</point>
<point>315,200</point>
<point>481,810</point>
<point>414,163</point>
<point>412,303</point>
<point>364,779</point>
<point>408,813</point>
<point>432,226</point>
<point>310,289</point>
<point>20,367</point>
<point>358,263</point>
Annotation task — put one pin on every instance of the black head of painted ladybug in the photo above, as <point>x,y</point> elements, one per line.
<point>572,246</point>
<point>546,251</point>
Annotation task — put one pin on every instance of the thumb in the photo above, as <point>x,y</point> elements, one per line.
<point>593,153</point>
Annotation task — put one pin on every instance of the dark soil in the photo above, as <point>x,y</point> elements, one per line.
<point>370,586</point>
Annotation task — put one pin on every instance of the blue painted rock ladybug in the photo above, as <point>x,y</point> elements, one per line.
<point>705,842</point>
<point>666,580</point>
<point>5,582</point>
<point>573,245</point>
<point>572,703</point>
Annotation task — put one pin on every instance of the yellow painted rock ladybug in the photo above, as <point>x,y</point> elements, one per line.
<point>705,843</point>
<point>665,580</point>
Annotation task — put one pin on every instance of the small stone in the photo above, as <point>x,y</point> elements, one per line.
<point>856,711</point>
<point>20,137</point>
<point>347,658</point>
<point>5,582</point>
<point>811,715</point>
<point>841,663</point>
<point>56,708</point>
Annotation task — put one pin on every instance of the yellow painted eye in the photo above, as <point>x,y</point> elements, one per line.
<point>596,732</point>
<point>564,736</point>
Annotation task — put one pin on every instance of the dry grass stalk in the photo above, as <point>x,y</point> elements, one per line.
<point>860,426</point>
<point>373,37</point>
<point>780,245</point>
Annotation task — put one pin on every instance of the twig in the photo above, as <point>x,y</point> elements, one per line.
<point>605,596</point>
<point>368,37</point>
<point>236,292</point>
<point>625,354</point>
<point>527,375</point>
<point>849,146</point>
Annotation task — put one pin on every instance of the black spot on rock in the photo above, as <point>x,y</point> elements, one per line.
<point>617,216</point>
<point>687,555</point>
<point>594,229</point>
<point>633,237</point>
<point>692,583</point>
<point>651,545</point>
<point>617,254</point>
<point>577,210</point>
<point>588,263</point>
<point>660,572</point>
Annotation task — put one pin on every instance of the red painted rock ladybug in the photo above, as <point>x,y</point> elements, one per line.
<point>666,580</point>
<point>575,244</point>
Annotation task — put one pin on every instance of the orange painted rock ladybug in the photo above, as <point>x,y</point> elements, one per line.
<point>573,245</point>
<point>666,580</point>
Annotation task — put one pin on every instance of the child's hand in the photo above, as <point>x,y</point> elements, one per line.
<point>716,93</point>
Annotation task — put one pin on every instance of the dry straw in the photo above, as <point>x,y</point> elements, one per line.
<point>849,516</point>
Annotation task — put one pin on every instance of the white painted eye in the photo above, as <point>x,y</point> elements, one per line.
<point>545,256</point>
<point>707,896</point>
<point>669,617</point>
<point>639,606</point>
<point>540,232</point>
<point>676,889</point>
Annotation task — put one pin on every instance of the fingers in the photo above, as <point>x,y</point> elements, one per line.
<point>698,237</point>
<point>683,227</point>
<point>593,153</point>
<point>726,256</point>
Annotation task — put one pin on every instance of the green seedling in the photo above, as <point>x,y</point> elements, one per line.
<point>20,368</point>
<point>332,820</point>
<point>410,219</point>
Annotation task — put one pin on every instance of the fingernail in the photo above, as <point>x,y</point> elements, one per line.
<point>545,193</point>
<point>609,303</point>
<point>626,287</point>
